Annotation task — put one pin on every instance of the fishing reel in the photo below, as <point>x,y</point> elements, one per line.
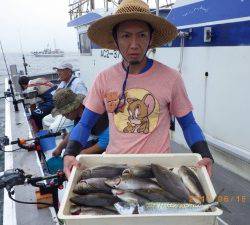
<point>15,177</point>
<point>31,144</point>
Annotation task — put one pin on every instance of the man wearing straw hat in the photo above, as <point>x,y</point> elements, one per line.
<point>139,94</point>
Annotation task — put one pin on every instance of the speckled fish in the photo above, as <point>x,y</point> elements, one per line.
<point>142,171</point>
<point>131,183</point>
<point>108,171</point>
<point>157,195</point>
<point>192,183</point>
<point>94,199</point>
<point>129,197</point>
<point>91,185</point>
<point>170,182</point>
<point>165,208</point>
<point>125,208</point>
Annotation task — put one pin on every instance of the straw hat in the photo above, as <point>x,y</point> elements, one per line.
<point>100,32</point>
<point>66,101</point>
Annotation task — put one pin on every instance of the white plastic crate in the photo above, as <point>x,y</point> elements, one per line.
<point>166,160</point>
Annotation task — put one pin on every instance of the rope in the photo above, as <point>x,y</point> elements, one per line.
<point>182,45</point>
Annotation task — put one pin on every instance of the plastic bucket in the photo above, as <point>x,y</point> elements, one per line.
<point>46,143</point>
<point>54,164</point>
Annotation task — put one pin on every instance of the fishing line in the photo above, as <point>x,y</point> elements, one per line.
<point>14,150</point>
<point>30,203</point>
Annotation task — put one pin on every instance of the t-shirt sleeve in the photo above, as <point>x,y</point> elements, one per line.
<point>95,99</point>
<point>180,104</point>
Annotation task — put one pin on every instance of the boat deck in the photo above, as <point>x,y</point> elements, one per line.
<point>16,126</point>
<point>236,188</point>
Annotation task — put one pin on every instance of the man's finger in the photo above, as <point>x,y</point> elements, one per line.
<point>67,172</point>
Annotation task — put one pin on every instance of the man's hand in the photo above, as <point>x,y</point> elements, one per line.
<point>208,163</point>
<point>57,151</point>
<point>69,161</point>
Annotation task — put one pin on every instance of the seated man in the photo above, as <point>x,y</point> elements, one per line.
<point>69,80</point>
<point>70,105</point>
<point>23,82</point>
<point>45,105</point>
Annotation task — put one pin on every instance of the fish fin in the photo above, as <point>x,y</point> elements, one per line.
<point>223,207</point>
<point>220,205</point>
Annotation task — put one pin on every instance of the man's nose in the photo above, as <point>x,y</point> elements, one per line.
<point>134,42</point>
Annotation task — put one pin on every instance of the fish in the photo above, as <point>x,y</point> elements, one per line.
<point>125,208</point>
<point>94,199</point>
<point>171,183</point>
<point>129,197</point>
<point>192,183</point>
<point>91,185</point>
<point>83,210</point>
<point>131,183</point>
<point>167,207</point>
<point>95,211</point>
<point>75,209</point>
<point>157,195</point>
<point>107,171</point>
<point>142,171</point>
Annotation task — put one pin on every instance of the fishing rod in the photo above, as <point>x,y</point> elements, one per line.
<point>14,177</point>
<point>23,143</point>
<point>24,61</point>
<point>15,102</point>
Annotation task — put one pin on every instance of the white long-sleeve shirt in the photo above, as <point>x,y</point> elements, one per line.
<point>77,85</point>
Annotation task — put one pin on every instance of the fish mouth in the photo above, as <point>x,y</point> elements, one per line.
<point>118,192</point>
<point>114,182</point>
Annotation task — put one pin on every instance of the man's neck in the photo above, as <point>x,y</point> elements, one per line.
<point>137,68</point>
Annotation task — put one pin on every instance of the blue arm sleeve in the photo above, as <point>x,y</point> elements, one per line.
<point>103,139</point>
<point>81,131</point>
<point>191,130</point>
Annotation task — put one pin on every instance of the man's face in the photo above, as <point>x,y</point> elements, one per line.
<point>133,39</point>
<point>24,86</point>
<point>64,74</point>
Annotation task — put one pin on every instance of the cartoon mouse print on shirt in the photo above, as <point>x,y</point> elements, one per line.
<point>139,113</point>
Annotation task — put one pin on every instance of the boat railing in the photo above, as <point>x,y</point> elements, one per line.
<point>78,8</point>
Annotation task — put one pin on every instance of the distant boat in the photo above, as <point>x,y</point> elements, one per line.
<point>48,53</point>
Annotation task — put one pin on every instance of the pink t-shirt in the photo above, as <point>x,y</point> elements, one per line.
<point>142,124</point>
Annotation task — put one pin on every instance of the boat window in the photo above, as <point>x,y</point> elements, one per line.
<point>84,44</point>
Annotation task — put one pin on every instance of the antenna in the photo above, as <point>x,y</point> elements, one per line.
<point>15,103</point>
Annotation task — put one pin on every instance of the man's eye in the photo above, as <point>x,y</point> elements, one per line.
<point>142,35</point>
<point>125,36</point>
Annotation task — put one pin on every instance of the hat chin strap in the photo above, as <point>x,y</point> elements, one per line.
<point>123,96</point>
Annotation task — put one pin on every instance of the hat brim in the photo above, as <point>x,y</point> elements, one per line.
<point>57,68</point>
<point>100,32</point>
<point>69,108</point>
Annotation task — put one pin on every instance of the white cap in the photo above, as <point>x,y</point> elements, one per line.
<point>63,65</point>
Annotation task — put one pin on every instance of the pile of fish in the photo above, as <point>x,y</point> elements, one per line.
<point>149,189</point>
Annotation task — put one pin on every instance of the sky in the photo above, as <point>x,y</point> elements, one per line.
<point>37,23</point>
